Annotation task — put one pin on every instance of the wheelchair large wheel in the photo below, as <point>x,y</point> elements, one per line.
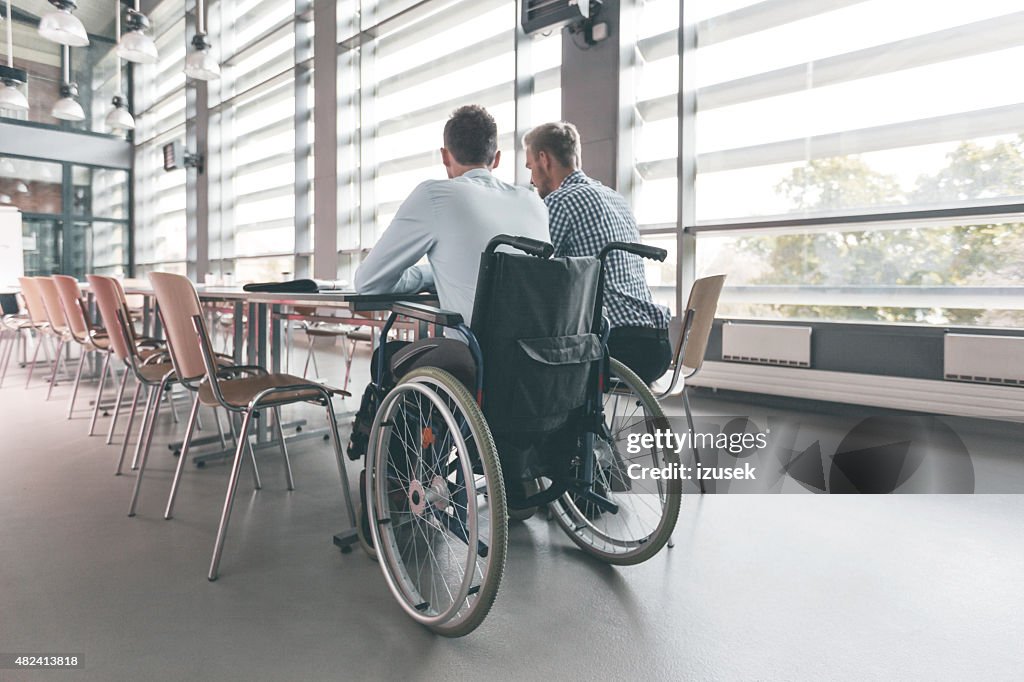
<point>648,509</point>
<point>436,502</point>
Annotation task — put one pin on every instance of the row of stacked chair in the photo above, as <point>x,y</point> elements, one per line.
<point>56,316</point>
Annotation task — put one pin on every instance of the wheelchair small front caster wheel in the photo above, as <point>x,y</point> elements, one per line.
<point>105,413</point>
<point>327,436</point>
<point>347,549</point>
<point>200,465</point>
<point>177,453</point>
<point>298,429</point>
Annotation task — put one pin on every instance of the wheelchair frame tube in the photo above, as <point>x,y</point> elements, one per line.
<point>474,349</point>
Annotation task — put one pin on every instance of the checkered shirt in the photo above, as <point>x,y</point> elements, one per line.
<point>584,216</point>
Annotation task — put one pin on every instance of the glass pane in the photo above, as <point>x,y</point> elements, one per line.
<point>846,108</point>
<point>661,277</point>
<point>42,60</point>
<point>965,274</point>
<point>655,132</point>
<point>31,186</point>
<point>41,245</point>
<point>472,52</point>
<point>272,269</point>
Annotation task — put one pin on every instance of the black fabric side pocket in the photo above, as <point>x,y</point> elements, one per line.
<point>551,377</point>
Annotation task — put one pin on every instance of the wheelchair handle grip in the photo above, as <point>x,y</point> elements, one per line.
<point>642,250</point>
<point>533,247</point>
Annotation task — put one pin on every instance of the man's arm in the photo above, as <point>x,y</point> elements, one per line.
<point>390,266</point>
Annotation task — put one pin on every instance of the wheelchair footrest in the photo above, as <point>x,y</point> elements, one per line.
<point>599,501</point>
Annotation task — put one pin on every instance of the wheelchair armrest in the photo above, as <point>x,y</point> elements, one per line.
<point>428,313</point>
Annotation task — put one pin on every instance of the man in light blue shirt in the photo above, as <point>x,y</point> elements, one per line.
<point>450,222</point>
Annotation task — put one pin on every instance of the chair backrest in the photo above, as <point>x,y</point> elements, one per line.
<point>51,303</point>
<point>703,302</point>
<point>134,301</point>
<point>179,303</point>
<point>109,300</point>
<point>71,301</point>
<point>33,300</point>
<point>535,320</point>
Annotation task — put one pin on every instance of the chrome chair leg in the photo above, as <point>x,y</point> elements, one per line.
<point>225,516</point>
<point>78,380</point>
<point>348,364</point>
<point>58,356</point>
<point>5,359</point>
<point>131,420</point>
<point>117,406</point>
<point>148,419</point>
<point>693,445</point>
<point>35,356</point>
<point>192,416</point>
<point>220,429</point>
<point>342,471</point>
<point>256,481</point>
<point>284,449</point>
<point>99,392</point>
<point>145,450</point>
<point>309,354</point>
<point>170,401</point>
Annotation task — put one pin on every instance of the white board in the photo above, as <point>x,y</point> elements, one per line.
<point>12,259</point>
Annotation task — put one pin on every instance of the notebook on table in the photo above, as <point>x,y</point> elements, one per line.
<point>300,286</point>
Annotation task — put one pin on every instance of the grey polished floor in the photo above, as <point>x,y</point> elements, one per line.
<point>757,587</point>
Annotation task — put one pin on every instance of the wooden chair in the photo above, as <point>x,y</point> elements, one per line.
<point>243,390</point>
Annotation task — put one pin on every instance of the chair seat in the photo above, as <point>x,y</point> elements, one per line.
<point>101,342</point>
<point>18,322</point>
<point>239,392</point>
<point>326,331</point>
<point>154,372</point>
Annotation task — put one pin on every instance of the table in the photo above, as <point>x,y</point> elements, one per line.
<point>264,335</point>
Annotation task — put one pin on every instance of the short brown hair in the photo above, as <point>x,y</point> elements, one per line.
<point>561,140</point>
<point>471,135</point>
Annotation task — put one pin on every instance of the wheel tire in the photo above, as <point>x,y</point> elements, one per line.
<point>362,530</point>
<point>575,523</point>
<point>431,379</point>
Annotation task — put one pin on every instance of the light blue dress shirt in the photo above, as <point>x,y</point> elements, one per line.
<point>449,222</point>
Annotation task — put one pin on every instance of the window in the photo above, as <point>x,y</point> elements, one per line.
<point>70,227</point>
<point>651,81</point>
<point>160,224</point>
<point>880,197</point>
<point>252,140</point>
<point>393,103</point>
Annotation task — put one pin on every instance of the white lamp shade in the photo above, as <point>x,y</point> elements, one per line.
<point>202,66</point>
<point>120,119</point>
<point>136,46</point>
<point>12,99</point>
<point>61,26</point>
<point>68,109</point>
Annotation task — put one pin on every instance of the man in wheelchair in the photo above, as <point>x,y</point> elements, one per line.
<point>446,220</point>
<point>545,423</point>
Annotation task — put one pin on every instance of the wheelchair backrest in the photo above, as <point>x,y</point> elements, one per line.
<point>536,321</point>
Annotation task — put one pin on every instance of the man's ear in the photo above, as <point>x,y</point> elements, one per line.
<point>543,160</point>
<point>497,159</point>
<point>446,157</point>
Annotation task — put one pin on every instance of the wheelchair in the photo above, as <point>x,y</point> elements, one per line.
<point>545,425</point>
